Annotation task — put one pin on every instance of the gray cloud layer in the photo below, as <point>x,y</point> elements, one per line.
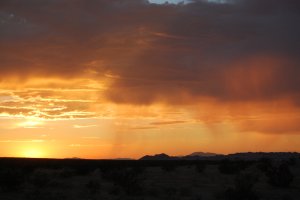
<point>245,50</point>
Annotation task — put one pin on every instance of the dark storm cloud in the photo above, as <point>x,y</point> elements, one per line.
<point>242,50</point>
<point>64,36</point>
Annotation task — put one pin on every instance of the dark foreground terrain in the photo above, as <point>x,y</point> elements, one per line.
<point>51,179</point>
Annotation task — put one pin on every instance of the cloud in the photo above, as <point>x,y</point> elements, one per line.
<point>48,103</point>
<point>279,125</point>
<point>167,122</point>
<point>84,126</point>
<point>143,127</point>
<point>243,50</point>
<point>22,141</point>
<point>230,52</point>
<point>88,145</point>
<point>124,59</point>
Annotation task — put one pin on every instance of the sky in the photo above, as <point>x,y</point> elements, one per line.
<point>126,78</point>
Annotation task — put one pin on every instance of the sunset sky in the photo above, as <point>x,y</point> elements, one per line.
<point>126,78</point>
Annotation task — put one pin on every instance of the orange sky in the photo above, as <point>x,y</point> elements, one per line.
<point>111,79</point>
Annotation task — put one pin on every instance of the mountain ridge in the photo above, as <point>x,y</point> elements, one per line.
<point>234,156</point>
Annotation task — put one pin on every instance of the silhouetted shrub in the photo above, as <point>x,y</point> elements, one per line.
<point>93,186</point>
<point>264,165</point>
<point>200,167</point>
<point>242,190</point>
<point>231,167</point>
<point>170,191</point>
<point>41,178</point>
<point>234,194</point>
<point>39,194</point>
<point>286,197</point>
<point>168,167</point>
<point>185,192</point>
<point>115,190</point>
<point>153,191</point>
<point>292,161</point>
<point>11,179</point>
<point>280,176</point>
<point>66,173</point>
<point>83,170</point>
<point>138,169</point>
<point>126,178</point>
<point>198,198</point>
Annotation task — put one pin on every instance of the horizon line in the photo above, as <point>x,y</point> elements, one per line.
<point>82,158</point>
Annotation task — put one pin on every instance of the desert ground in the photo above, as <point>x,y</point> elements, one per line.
<point>49,179</point>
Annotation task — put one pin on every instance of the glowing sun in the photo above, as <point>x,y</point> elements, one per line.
<point>33,153</point>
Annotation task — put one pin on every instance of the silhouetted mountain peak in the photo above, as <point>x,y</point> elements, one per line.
<point>235,156</point>
<point>73,158</point>
<point>260,155</point>
<point>204,154</point>
<point>161,156</point>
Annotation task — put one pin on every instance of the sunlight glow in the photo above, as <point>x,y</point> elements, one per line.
<point>33,153</point>
<point>31,123</point>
